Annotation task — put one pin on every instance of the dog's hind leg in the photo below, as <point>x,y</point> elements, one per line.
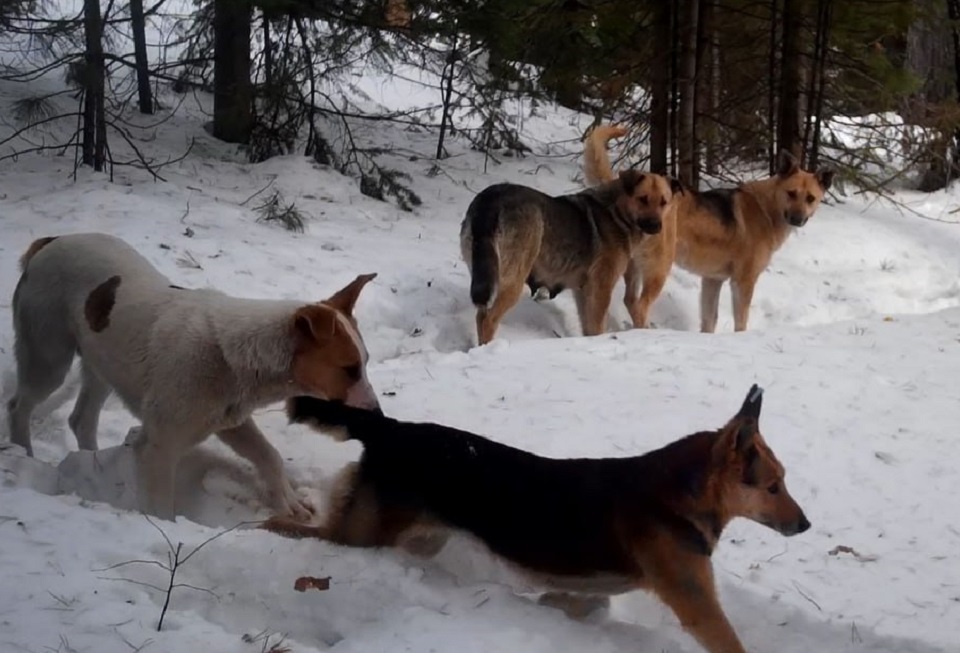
<point>43,361</point>
<point>709,303</point>
<point>158,453</point>
<point>85,416</point>
<point>489,319</point>
<point>249,442</point>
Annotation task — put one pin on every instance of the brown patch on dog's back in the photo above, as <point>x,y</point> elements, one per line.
<point>32,250</point>
<point>100,303</point>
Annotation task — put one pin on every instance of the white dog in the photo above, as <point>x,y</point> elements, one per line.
<point>187,363</point>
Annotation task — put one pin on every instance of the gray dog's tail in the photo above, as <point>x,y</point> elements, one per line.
<point>485,267</point>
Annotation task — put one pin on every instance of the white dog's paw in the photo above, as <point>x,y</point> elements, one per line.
<point>292,504</point>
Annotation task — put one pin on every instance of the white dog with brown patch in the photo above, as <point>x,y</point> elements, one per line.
<point>187,363</point>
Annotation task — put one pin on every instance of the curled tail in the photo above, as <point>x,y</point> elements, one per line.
<point>485,259</point>
<point>354,423</point>
<point>596,160</point>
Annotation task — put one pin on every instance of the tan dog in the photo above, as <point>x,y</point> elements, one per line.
<point>583,529</point>
<point>723,234</point>
<point>188,363</point>
<point>514,235</point>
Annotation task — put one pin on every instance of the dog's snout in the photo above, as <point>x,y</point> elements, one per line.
<point>651,225</point>
<point>799,525</point>
<point>362,395</point>
<point>796,219</point>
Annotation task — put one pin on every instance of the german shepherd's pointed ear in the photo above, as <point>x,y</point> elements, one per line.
<point>346,298</point>
<point>752,404</point>
<point>825,177</point>
<point>788,164</point>
<point>630,179</point>
<point>749,418</point>
<point>676,186</point>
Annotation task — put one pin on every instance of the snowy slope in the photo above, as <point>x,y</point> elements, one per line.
<point>855,335</point>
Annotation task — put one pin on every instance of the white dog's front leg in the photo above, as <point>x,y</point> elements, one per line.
<point>249,442</point>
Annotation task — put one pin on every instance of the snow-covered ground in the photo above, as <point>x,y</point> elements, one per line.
<point>855,334</point>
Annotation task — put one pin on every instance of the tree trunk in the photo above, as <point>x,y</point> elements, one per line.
<point>687,87</point>
<point>708,86</point>
<point>232,88</point>
<point>773,79</point>
<point>660,88</point>
<point>824,20</point>
<point>674,89</point>
<point>94,114</point>
<point>930,52</point>
<point>446,86</point>
<point>138,25</point>
<point>790,137</point>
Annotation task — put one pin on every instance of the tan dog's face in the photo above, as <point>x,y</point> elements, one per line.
<point>753,479</point>
<point>330,359</point>
<point>799,192</point>
<point>646,197</point>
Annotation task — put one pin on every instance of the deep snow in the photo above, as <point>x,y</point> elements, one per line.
<point>855,334</point>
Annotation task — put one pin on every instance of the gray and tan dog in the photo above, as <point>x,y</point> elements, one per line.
<point>514,235</point>
<point>187,363</point>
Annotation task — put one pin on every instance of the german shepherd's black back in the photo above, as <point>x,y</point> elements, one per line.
<point>556,516</point>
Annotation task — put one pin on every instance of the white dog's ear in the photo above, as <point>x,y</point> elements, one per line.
<point>315,322</point>
<point>346,298</point>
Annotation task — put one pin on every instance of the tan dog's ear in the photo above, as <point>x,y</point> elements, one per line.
<point>346,298</point>
<point>316,322</point>
<point>788,164</point>
<point>630,179</point>
<point>676,186</point>
<point>825,177</point>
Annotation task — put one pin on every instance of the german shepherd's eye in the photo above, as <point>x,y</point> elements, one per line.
<point>792,194</point>
<point>774,489</point>
<point>644,201</point>
<point>355,372</point>
<point>663,202</point>
<point>810,199</point>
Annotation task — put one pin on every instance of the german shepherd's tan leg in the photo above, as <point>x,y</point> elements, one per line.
<point>631,292</point>
<point>686,584</point>
<point>742,292</point>
<point>594,298</point>
<point>709,303</point>
<point>489,319</point>
<point>653,282</point>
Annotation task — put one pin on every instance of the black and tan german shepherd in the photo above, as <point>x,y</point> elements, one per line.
<point>581,528</point>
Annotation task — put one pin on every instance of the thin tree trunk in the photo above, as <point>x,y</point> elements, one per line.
<point>94,118</point>
<point>813,160</point>
<point>660,88</point>
<point>789,125</point>
<point>953,11</point>
<point>687,87</point>
<point>674,89</point>
<point>138,25</point>
<point>772,80</point>
<point>232,88</point>
<point>446,79</point>
<point>708,87</point>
